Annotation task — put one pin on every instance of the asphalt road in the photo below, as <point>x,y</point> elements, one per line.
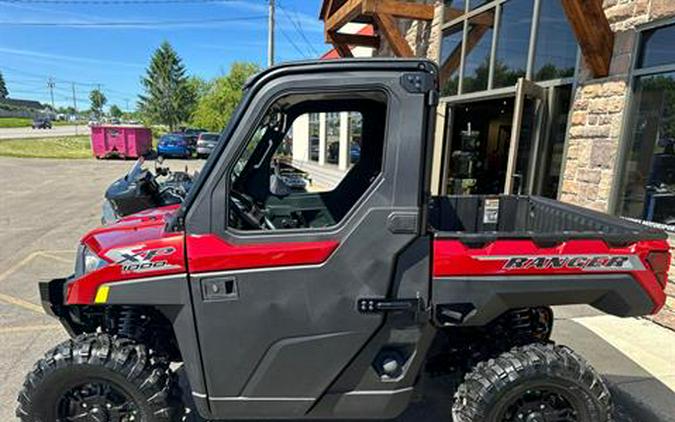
<point>27,132</point>
<point>45,207</point>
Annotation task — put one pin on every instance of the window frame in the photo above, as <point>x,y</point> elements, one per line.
<point>338,226</point>
<point>496,6</point>
<point>634,73</point>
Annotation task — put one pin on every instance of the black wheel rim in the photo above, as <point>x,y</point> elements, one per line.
<point>97,401</point>
<point>541,404</point>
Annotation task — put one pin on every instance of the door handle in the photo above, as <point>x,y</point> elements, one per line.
<point>219,288</point>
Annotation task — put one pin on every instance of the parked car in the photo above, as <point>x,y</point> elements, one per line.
<point>42,123</point>
<point>206,141</point>
<point>192,134</point>
<point>174,145</point>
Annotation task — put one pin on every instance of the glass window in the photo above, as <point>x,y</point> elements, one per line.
<point>658,47</point>
<point>451,52</point>
<point>455,4</point>
<point>355,135</point>
<point>314,133</point>
<point>648,186</point>
<point>477,3</point>
<point>513,42</point>
<point>332,153</point>
<point>478,48</point>
<point>556,53</point>
<point>270,189</point>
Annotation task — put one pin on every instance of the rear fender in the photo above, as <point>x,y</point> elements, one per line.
<point>475,301</point>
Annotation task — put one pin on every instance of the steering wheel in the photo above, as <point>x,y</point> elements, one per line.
<point>248,212</point>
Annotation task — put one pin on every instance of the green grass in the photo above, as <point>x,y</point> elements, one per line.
<point>11,122</point>
<point>57,147</point>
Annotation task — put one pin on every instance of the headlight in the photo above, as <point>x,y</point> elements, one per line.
<point>87,261</point>
<point>109,215</point>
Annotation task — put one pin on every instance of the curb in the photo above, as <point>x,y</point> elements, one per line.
<point>636,409</point>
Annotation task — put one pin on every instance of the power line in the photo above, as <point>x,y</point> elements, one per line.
<point>290,40</point>
<point>115,2</point>
<point>197,22</point>
<point>299,29</point>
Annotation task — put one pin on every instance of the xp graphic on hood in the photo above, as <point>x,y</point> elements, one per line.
<point>133,260</point>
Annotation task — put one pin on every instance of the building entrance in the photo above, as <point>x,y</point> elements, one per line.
<point>512,144</point>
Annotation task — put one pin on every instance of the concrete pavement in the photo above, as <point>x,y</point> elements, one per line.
<point>27,132</point>
<point>46,205</point>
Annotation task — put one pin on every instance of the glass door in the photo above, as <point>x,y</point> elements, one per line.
<point>525,143</point>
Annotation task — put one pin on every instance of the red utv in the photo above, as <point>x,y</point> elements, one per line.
<point>336,303</point>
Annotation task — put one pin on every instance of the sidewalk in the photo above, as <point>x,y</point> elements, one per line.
<point>636,357</point>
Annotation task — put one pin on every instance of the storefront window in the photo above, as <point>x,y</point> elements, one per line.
<point>513,42</point>
<point>657,47</point>
<point>355,132</point>
<point>451,52</point>
<point>473,4</point>
<point>556,53</point>
<point>455,4</point>
<point>314,131</point>
<point>332,138</point>
<point>648,185</point>
<point>478,48</point>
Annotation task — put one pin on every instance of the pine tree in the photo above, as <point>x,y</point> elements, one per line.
<point>3,88</point>
<point>169,98</point>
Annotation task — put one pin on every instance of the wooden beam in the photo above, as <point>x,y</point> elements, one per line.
<point>343,50</point>
<point>451,13</point>
<point>593,33</point>
<point>329,5</point>
<point>398,43</point>
<point>356,39</point>
<point>399,9</point>
<point>346,13</point>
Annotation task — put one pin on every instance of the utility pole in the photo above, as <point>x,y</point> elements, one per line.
<point>75,107</point>
<point>270,35</point>
<point>50,85</point>
<point>127,107</point>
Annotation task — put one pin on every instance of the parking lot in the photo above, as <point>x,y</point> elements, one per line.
<point>48,204</point>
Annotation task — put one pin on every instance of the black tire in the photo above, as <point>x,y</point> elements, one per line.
<point>513,386</point>
<point>121,366</point>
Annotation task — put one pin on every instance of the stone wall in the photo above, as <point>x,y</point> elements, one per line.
<point>598,111</point>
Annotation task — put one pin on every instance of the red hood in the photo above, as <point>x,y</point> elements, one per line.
<point>143,226</point>
<point>136,246</point>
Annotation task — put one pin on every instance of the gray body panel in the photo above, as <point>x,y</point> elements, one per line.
<point>291,343</point>
<point>483,298</point>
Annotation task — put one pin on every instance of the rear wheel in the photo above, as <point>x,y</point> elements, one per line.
<point>96,377</point>
<point>533,383</point>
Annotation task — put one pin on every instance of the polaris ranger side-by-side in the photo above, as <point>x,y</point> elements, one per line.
<point>332,303</point>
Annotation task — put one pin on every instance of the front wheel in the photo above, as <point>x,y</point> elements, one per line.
<point>533,383</point>
<point>96,377</point>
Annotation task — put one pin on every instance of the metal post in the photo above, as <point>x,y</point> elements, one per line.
<point>75,107</point>
<point>50,85</point>
<point>270,35</point>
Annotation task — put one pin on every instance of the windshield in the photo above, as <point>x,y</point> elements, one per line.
<point>135,170</point>
<point>209,137</point>
<point>171,138</point>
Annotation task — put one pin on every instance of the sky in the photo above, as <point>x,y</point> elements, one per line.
<point>109,42</point>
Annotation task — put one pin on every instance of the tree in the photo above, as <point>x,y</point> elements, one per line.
<point>3,88</point>
<point>115,111</point>
<point>97,100</point>
<point>169,98</point>
<point>215,108</point>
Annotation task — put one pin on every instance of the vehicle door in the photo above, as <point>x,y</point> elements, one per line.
<point>276,305</point>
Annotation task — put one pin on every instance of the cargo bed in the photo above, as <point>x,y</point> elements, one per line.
<point>496,253</point>
<point>484,218</point>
